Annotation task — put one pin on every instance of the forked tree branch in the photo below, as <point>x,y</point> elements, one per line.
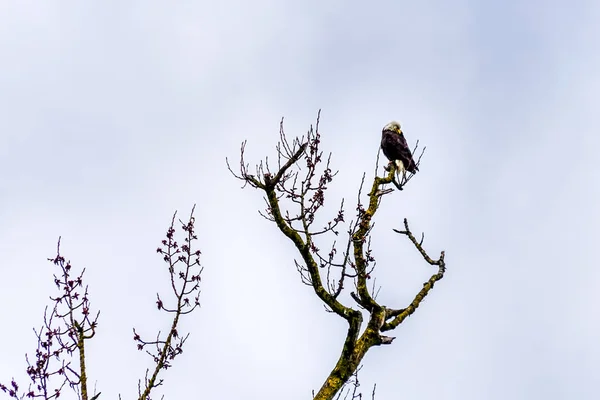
<point>293,202</point>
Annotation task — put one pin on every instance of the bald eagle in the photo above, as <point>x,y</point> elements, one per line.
<point>396,150</point>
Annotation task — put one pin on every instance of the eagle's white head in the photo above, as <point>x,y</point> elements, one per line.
<point>393,126</point>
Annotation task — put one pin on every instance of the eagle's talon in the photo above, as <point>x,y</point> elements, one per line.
<point>399,186</point>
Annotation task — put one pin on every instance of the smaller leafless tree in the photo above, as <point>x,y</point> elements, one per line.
<point>60,358</point>
<point>61,338</point>
<point>184,270</point>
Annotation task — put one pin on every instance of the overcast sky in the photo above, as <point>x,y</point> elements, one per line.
<point>115,114</point>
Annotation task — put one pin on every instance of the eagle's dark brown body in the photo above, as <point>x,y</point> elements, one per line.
<point>394,147</point>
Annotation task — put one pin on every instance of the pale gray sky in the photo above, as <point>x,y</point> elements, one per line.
<point>117,113</point>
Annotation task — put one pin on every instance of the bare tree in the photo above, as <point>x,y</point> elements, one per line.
<point>62,335</point>
<point>60,359</point>
<point>294,194</point>
<point>184,271</point>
